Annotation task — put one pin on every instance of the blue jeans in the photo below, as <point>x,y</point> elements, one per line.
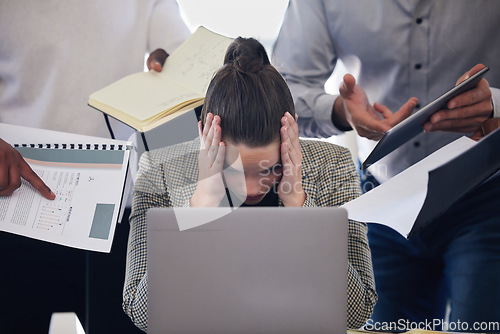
<point>456,259</point>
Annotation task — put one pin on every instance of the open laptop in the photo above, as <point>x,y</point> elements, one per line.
<point>254,270</point>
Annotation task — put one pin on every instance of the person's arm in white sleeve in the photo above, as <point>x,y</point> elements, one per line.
<point>167,29</point>
<point>304,53</point>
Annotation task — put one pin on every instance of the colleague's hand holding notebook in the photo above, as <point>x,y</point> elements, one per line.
<point>145,100</point>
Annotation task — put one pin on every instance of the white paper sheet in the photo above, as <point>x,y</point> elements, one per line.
<point>88,191</point>
<point>397,202</point>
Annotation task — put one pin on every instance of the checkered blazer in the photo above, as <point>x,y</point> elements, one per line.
<point>168,177</point>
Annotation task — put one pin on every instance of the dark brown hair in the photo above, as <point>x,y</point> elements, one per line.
<point>249,95</point>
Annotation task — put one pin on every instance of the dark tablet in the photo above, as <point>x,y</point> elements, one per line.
<point>413,125</point>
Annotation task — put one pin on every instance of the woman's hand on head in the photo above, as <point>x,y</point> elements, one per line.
<point>210,189</point>
<point>290,189</point>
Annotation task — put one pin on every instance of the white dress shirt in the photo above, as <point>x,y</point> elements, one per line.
<point>395,49</point>
<point>54,54</point>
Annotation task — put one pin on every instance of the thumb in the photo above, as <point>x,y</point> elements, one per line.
<point>470,73</point>
<point>156,60</point>
<point>405,111</point>
<point>347,86</point>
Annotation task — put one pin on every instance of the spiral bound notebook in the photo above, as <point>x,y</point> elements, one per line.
<point>87,174</point>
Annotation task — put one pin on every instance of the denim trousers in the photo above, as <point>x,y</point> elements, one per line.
<point>454,260</point>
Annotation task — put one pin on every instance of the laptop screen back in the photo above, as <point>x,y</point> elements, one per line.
<point>255,270</point>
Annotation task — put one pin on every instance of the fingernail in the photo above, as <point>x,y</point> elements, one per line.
<point>452,105</point>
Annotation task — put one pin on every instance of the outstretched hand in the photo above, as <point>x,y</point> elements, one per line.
<point>13,168</point>
<point>467,111</point>
<point>368,121</point>
<point>290,189</point>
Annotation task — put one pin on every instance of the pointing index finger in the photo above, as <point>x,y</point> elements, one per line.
<point>29,175</point>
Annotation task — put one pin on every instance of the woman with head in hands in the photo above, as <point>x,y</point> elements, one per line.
<point>248,154</point>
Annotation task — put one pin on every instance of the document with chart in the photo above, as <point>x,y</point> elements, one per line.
<point>87,175</point>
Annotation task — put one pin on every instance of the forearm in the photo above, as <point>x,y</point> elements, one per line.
<point>305,54</point>
<point>314,108</point>
<point>361,297</point>
<point>361,294</point>
<point>148,193</point>
<point>135,303</point>
<point>167,28</point>
<point>135,287</point>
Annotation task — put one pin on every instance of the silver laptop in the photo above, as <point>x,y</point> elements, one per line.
<point>254,270</point>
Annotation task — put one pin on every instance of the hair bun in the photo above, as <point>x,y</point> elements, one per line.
<point>246,55</point>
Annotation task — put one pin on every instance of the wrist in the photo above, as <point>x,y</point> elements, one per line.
<point>338,117</point>
<point>199,199</point>
<point>297,200</point>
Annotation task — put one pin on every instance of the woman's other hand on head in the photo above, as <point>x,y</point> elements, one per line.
<point>290,188</point>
